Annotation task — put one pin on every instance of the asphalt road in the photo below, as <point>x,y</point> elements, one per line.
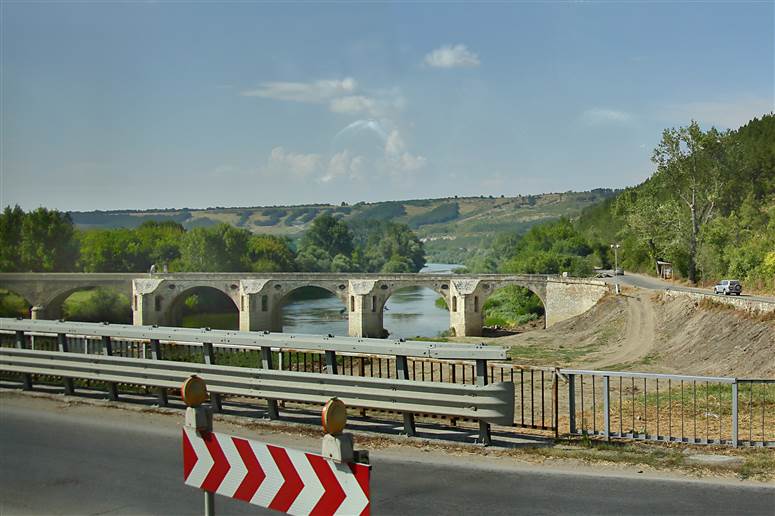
<point>649,282</point>
<point>56,460</point>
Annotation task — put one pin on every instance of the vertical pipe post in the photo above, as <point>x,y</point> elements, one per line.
<point>607,408</point>
<point>63,348</point>
<point>402,373</point>
<point>331,367</point>
<point>156,355</point>
<point>734,415</point>
<point>26,377</point>
<point>209,356</point>
<point>266,364</point>
<point>572,403</point>
<point>481,380</point>
<point>107,350</point>
<point>556,402</point>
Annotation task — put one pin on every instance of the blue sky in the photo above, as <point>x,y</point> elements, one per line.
<point>143,105</point>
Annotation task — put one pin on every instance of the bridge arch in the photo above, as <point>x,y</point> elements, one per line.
<point>14,304</point>
<point>499,304</point>
<point>223,309</point>
<point>415,312</point>
<point>115,309</point>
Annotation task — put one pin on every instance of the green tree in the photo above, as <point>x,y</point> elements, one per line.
<point>270,253</point>
<point>329,234</point>
<point>220,248</point>
<point>47,242</point>
<point>691,169</point>
<point>10,236</point>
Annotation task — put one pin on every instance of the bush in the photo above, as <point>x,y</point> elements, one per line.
<point>98,306</point>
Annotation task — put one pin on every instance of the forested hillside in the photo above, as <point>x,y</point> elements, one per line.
<point>451,228</point>
<point>709,208</point>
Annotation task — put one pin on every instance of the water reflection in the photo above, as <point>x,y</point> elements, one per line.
<point>410,312</point>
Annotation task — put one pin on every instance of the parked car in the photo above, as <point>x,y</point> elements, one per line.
<point>728,287</point>
<point>619,271</point>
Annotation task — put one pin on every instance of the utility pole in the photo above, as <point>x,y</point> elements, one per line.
<point>616,247</point>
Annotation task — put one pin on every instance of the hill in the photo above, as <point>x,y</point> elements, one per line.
<point>449,227</point>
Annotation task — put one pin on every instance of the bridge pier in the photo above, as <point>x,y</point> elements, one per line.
<point>365,309</point>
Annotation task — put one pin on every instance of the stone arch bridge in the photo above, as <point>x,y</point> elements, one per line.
<point>158,298</point>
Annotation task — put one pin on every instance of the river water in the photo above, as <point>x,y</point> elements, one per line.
<point>410,312</point>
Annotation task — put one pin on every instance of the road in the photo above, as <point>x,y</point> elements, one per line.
<point>58,459</point>
<point>649,282</point>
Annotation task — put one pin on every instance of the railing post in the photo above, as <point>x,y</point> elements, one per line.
<point>402,373</point>
<point>266,364</point>
<point>572,403</point>
<point>734,414</point>
<point>556,402</point>
<point>607,408</point>
<point>156,355</point>
<point>26,377</point>
<point>63,348</point>
<point>209,356</point>
<point>331,362</point>
<point>481,380</point>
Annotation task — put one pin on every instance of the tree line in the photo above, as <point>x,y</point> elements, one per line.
<point>44,240</point>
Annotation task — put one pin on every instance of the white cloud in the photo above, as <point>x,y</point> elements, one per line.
<point>452,56</point>
<point>599,116</point>
<point>354,105</point>
<point>397,156</point>
<point>316,91</point>
<point>283,162</point>
<point>724,114</point>
<point>343,165</point>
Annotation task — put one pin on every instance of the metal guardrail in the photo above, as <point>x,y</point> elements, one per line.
<point>490,403</point>
<point>671,408</point>
<point>408,348</point>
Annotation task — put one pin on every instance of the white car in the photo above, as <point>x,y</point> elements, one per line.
<point>728,287</point>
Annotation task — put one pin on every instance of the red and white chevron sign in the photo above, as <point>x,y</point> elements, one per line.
<point>282,479</point>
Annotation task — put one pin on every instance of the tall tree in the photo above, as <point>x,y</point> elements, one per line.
<point>48,241</point>
<point>329,234</point>
<point>10,237</point>
<point>690,170</point>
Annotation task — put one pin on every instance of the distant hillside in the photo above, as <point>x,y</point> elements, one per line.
<point>450,227</point>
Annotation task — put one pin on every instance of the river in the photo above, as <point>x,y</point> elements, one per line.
<point>410,312</point>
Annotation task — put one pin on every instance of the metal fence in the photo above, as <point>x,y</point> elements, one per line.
<point>671,408</point>
<point>606,404</point>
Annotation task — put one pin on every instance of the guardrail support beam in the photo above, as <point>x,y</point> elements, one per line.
<point>64,348</point>
<point>107,350</point>
<point>156,355</point>
<point>26,378</point>
<point>485,435</point>
<point>209,356</point>
<point>331,367</point>
<point>402,373</point>
<point>266,363</point>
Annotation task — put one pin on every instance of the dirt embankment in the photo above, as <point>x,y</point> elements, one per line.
<point>640,330</point>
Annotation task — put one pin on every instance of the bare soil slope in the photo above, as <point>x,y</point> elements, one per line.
<point>639,330</point>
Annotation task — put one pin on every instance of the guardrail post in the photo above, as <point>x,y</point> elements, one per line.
<point>64,348</point>
<point>266,363</point>
<point>734,415</point>
<point>209,355</point>
<point>331,362</point>
<point>156,355</point>
<point>572,403</point>
<point>107,350</point>
<point>607,408</point>
<point>402,373</point>
<point>26,377</point>
<point>481,380</point>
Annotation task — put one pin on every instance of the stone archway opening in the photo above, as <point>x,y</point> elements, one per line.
<point>312,310</point>
<point>203,307</point>
<point>13,304</point>
<point>90,304</point>
<point>415,311</point>
<point>512,309</point>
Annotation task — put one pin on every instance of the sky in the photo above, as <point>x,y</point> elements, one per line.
<point>140,105</point>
